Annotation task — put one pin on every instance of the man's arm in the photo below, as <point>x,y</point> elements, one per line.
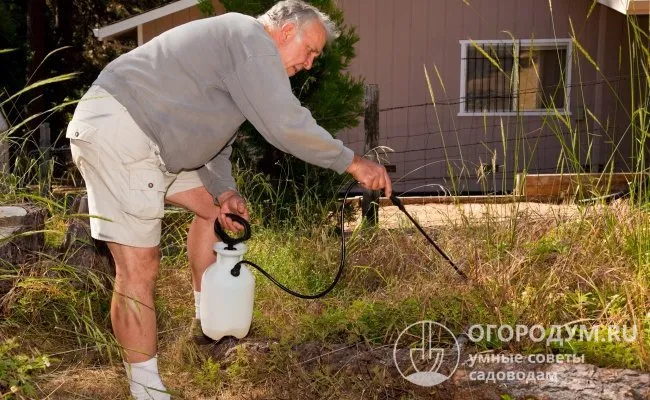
<point>260,88</point>
<point>216,175</point>
<point>217,178</point>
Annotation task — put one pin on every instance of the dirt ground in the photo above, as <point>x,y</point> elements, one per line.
<point>433,215</point>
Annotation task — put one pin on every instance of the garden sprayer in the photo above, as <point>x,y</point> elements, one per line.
<point>228,286</point>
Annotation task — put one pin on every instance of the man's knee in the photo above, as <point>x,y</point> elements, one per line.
<point>135,265</point>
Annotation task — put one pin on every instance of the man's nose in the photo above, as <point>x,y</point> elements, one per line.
<point>309,63</point>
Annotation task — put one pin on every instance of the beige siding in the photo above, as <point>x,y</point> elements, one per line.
<point>399,37</point>
<point>156,27</point>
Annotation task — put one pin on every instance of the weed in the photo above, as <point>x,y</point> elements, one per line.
<point>17,371</point>
<point>211,376</point>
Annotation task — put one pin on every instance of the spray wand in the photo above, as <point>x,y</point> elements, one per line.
<point>399,205</point>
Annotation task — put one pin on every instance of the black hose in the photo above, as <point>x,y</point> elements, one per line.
<point>235,270</point>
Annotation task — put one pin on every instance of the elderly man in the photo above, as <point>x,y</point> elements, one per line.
<point>157,125</point>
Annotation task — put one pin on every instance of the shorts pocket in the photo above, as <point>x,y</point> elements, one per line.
<point>146,195</point>
<point>83,140</point>
<point>79,130</point>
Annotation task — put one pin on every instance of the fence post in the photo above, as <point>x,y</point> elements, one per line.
<point>370,201</point>
<point>4,145</point>
<point>44,147</point>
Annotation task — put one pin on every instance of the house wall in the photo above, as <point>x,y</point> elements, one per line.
<point>156,27</point>
<point>399,38</point>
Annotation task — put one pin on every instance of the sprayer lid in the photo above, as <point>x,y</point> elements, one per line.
<point>222,248</point>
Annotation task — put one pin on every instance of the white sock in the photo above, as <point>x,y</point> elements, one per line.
<point>197,305</point>
<point>144,381</point>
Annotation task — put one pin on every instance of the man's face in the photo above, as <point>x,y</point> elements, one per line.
<point>299,47</point>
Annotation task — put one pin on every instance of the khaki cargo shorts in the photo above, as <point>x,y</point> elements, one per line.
<point>126,180</point>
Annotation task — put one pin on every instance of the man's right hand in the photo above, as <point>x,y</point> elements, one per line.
<point>370,175</point>
<point>232,202</point>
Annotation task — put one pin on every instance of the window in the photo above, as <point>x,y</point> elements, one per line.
<point>510,77</point>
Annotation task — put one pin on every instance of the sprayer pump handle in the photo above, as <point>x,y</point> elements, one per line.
<point>230,241</point>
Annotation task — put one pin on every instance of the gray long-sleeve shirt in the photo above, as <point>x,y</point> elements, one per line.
<point>190,88</point>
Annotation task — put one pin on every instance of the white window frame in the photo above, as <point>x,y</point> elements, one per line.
<point>537,44</point>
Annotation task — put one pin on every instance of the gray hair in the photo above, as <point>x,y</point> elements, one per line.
<point>299,13</point>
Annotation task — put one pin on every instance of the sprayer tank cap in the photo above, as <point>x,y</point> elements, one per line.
<point>221,248</point>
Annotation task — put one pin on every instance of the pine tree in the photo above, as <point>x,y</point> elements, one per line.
<point>335,100</point>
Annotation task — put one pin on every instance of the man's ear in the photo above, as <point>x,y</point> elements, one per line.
<point>288,31</point>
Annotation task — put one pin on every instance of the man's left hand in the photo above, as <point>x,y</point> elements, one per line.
<point>231,202</point>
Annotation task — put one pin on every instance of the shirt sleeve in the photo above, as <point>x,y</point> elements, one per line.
<point>216,175</point>
<point>260,88</point>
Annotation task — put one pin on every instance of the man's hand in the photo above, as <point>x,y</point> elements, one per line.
<point>370,175</point>
<point>231,202</point>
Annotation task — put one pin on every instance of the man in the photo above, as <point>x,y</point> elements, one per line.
<point>157,125</point>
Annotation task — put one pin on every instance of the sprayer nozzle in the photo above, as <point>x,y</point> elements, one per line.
<point>396,201</point>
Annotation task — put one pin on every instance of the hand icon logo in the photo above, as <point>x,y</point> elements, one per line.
<point>422,349</point>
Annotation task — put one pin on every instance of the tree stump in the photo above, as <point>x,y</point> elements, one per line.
<point>21,235</point>
<point>21,231</point>
<point>80,249</point>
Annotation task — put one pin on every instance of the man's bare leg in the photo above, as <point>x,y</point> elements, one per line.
<point>133,316</point>
<point>201,236</point>
<point>132,308</point>
<point>200,239</point>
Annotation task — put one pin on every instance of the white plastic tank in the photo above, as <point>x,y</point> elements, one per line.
<point>227,300</point>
